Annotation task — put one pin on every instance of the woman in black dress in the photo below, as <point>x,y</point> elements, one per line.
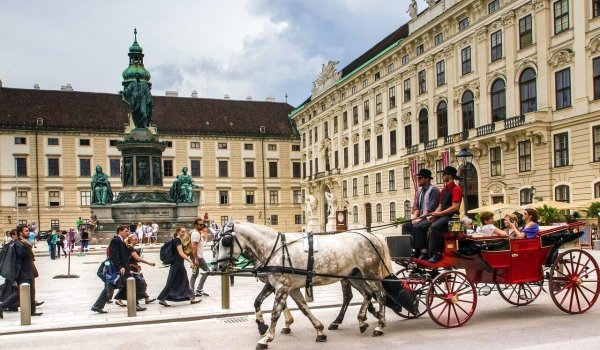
<point>136,272</point>
<point>178,284</point>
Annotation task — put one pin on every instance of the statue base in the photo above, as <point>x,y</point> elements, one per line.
<point>330,226</point>
<point>312,225</point>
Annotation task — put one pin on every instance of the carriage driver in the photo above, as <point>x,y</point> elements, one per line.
<point>449,204</point>
<point>425,203</point>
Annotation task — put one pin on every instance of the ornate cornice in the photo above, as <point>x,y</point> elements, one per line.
<point>345,141</point>
<point>466,41</point>
<point>379,129</point>
<point>449,51</point>
<point>524,9</point>
<point>508,18</point>
<point>392,123</point>
<point>594,45</point>
<point>355,137</point>
<point>482,33</point>
<point>406,117</point>
<point>366,133</point>
<point>561,58</point>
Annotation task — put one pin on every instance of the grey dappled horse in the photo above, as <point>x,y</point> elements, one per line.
<point>339,254</point>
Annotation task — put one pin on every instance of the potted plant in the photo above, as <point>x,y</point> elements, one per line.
<point>593,211</point>
<point>548,215</point>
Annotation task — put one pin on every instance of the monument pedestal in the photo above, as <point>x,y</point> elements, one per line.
<point>331,225</point>
<point>312,225</point>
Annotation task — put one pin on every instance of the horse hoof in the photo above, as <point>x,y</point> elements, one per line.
<point>321,338</point>
<point>377,333</point>
<point>260,346</point>
<point>262,328</point>
<point>333,326</point>
<point>286,330</point>
<point>363,328</point>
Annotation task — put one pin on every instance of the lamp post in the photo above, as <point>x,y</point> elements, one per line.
<point>466,157</point>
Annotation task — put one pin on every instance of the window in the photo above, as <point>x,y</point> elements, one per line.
<point>439,169</point>
<point>596,141</point>
<point>527,87</point>
<point>273,197</point>
<point>354,187</point>
<point>345,120</point>
<point>296,170</point>
<point>53,167</point>
<point>168,167</point>
<point>355,115</point>
<point>561,193</point>
<point>250,218</point>
<point>84,142</point>
<point>223,197</point>
<point>463,24</point>
<point>195,144</point>
<point>20,140</point>
<point>316,165</point>
<point>355,213</point>
<point>54,198</point>
<point>422,82</point>
<point>561,16</point>
<point>354,89</point>
<point>408,135</point>
<point>53,141</point>
<point>438,39</point>
<point>222,145</point>
<point>346,157</point>
<point>195,167</point>
<point>440,73</point>
<point>465,55</point>
<point>392,97</point>
<point>323,107</point>
<point>335,124</point>
<point>597,190</point>
<point>345,189</point>
<point>223,168</point>
<point>596,78</point>
<point>169,144</point>
<point>442,119</point>
<point>524,156</point>
<point>295,148</point>
<point>495,161</point>
<point>405,59</point>
<point>561,149</point>
<point>84,167</point>
<point>496,45</point>
<point>392,211</point>
<point>525,196</point>
<point>22,200</point>
<point>379,141</point>
<point>390,68</point>
<point>365,83</point>
<point>377,76</point>
<point>407,209</point>
<point>316,134</point>
<point>391,180</point>
<point>423,126</point>
<point>420,49</point>
<point>468,110</point>
<point>309,137</point>
<point>356,154</point>
<point>84,198</point>
<point>378,213</point>
<point>525,32</point>
<point>367,151</point>
<point>498,100</point>
<point>115,167</point>
<point>297,196</point>
<point>249,167</point>
<point>21,166</point>
<point>271,147</point>
<point>366,109</point>
<point>406,90</point>
<point>297,219</point>
<point>393,147</point>
<point>596,9</point>
<point>111,143</point>
<point>378,183</point>
<point>563,88</point>
<point>272,169</point>
<point>378,104</point>
<point>406,177</point>
<point>493,6</point>
<point>250,146</point>
<point>366,184</point>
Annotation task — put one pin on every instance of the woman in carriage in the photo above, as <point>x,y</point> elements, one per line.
<point>531,227</point>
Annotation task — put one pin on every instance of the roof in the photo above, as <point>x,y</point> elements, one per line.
<point>102,112</point>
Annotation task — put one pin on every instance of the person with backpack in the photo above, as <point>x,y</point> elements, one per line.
<point>52,240</point>
<point>177,287</point>
<point>197,240</point>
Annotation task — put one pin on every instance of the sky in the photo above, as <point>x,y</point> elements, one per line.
<point>241,48</point>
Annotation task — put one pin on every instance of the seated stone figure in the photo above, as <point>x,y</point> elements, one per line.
<point>101,189</point>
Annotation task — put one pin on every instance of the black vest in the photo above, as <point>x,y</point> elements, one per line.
<point>446,196</point>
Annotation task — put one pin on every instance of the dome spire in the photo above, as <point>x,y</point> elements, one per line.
<point>136,64</point>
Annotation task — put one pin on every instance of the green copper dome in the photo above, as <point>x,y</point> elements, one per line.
<point>136,64</point>
<point>135,47</point>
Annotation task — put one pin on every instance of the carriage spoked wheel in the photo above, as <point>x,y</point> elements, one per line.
<point>451,299</point>
<point>419,287</point>
<point>574,281</point>
<point>520,294</point>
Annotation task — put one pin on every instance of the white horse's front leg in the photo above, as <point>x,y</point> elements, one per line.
<point>289,319</point>
<point>301,302</point>
<point>380,295</point>
<point>281,294</point>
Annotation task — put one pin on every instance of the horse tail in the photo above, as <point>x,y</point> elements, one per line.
<point>386,268</point>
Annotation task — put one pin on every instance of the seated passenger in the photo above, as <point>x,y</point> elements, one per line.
<point>468,224</point>
<point>507,220</point>
<point>488,229</point>
<point>531,228</point>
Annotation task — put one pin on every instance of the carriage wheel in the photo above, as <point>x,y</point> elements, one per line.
<point>574,281</point>
<point>520,294</point>
<point>418,286</point>
<point>451,299</point>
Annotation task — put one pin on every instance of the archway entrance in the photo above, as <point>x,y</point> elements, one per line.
<point>471,192</point>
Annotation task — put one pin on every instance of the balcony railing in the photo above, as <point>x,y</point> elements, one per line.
<point>486,129</point>
<point>459,136</point>
<point>430,144</point>
<point>412,149</point>
<point>514,122</point>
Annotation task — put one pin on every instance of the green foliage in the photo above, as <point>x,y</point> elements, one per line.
<point>548,214</point>
<point>593,211</point>
<point>477,220</point>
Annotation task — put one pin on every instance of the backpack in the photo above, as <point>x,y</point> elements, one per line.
<point>49,238</point>
<point>167,255</point>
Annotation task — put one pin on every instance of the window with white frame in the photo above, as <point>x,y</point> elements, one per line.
<point>525,196</point>
<point>354,187</point>
<point>84,198</point>
<point>249,197</point>
<point>223,197</point>
<point>561,16</point>
<point>597,190</point>
<point>525,32</point>
<point>407,209</point>
<point>392,97</point>
<point>392,211</point>
<point>273,197</point>
<point>561,149</point>
<point>378,212</point>
<point>366,184</point>
<point>524,155</point>
<point>378,183</point>
<point>54,198</point>
<point>496,45</point>
<point>561,193</point>
<point>495,161</point>
<point>297,196</point>
<point>355,214</point>
<point>438,38</point>
<point>345,189</point>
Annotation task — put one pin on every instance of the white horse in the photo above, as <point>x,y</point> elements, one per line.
<point>339,254</point>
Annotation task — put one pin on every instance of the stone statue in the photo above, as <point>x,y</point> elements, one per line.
<point>101,190</point>
<point>326,156</point>
<point>330,200</point>
<point>430,3</point>
<point>142,172</point>
<point>137,96</point>
<point>156,172</point>
<point>412,9</point>
<point>327,73</point>
<point>186,187</point>
<point>127,179</point>
<point>311,205</point>
<point>174,191</point>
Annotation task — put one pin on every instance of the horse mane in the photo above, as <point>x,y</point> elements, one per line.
<point>257,227</point>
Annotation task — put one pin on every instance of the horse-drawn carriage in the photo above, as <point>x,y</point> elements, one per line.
<point>517,268</point>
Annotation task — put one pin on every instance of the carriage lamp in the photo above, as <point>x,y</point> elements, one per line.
<point>466,157</point>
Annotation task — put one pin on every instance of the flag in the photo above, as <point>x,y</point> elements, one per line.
<point>413,172</point>
<point>445,158</point>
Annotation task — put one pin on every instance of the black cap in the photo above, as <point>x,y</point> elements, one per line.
<point>425,173</point>
<point>450,170</point>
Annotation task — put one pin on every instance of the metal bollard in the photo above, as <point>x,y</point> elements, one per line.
<point>131,300</point>
<point>25,300</point>
<point>225,291</point>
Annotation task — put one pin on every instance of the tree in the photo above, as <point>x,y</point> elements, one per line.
<point>548,214</point>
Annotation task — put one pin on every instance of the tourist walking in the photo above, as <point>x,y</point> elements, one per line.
<point>154,238</point>
<point>52,244</point>
<point>62,241</point>
<point>177,287</point>
<point>136,271</point>
<point>85,240</point>
<point>198,236</point>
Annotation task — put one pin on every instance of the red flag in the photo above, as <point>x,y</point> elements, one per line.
<point>413,172</point>
<point>445,158</point>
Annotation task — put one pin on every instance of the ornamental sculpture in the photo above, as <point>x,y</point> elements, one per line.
<point>182,190</point>
<point>101,190</point>
<point>138,98</point>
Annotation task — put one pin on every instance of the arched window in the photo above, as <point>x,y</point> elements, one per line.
<point>561,193</point>
<point>498,100</point>
<point>525,196</point>
<point>527,87</point>
<point>392,211</point>
<point>468,110</point>
<point>423,126</point>
<point>407,209</point>
<point>379,212</point>
<point>442,119</point>
<point>355,213</point>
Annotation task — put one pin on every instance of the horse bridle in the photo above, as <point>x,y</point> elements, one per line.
<point>229,240</point>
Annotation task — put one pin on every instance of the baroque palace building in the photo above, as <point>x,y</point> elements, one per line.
<point>244,155</point>
<point>515,82</point>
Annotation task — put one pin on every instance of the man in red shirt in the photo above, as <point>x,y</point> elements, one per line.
<point>450,199</point>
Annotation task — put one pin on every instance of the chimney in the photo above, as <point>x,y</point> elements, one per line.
<point>36,86</point>
<point>226,97</point>
<point>249,98</point>
<point>270,98</point>
<point>194,94</point>
<point>171,93</point>
<point>67,87</point>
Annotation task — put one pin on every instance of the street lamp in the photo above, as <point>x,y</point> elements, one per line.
<point>466,157</point>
